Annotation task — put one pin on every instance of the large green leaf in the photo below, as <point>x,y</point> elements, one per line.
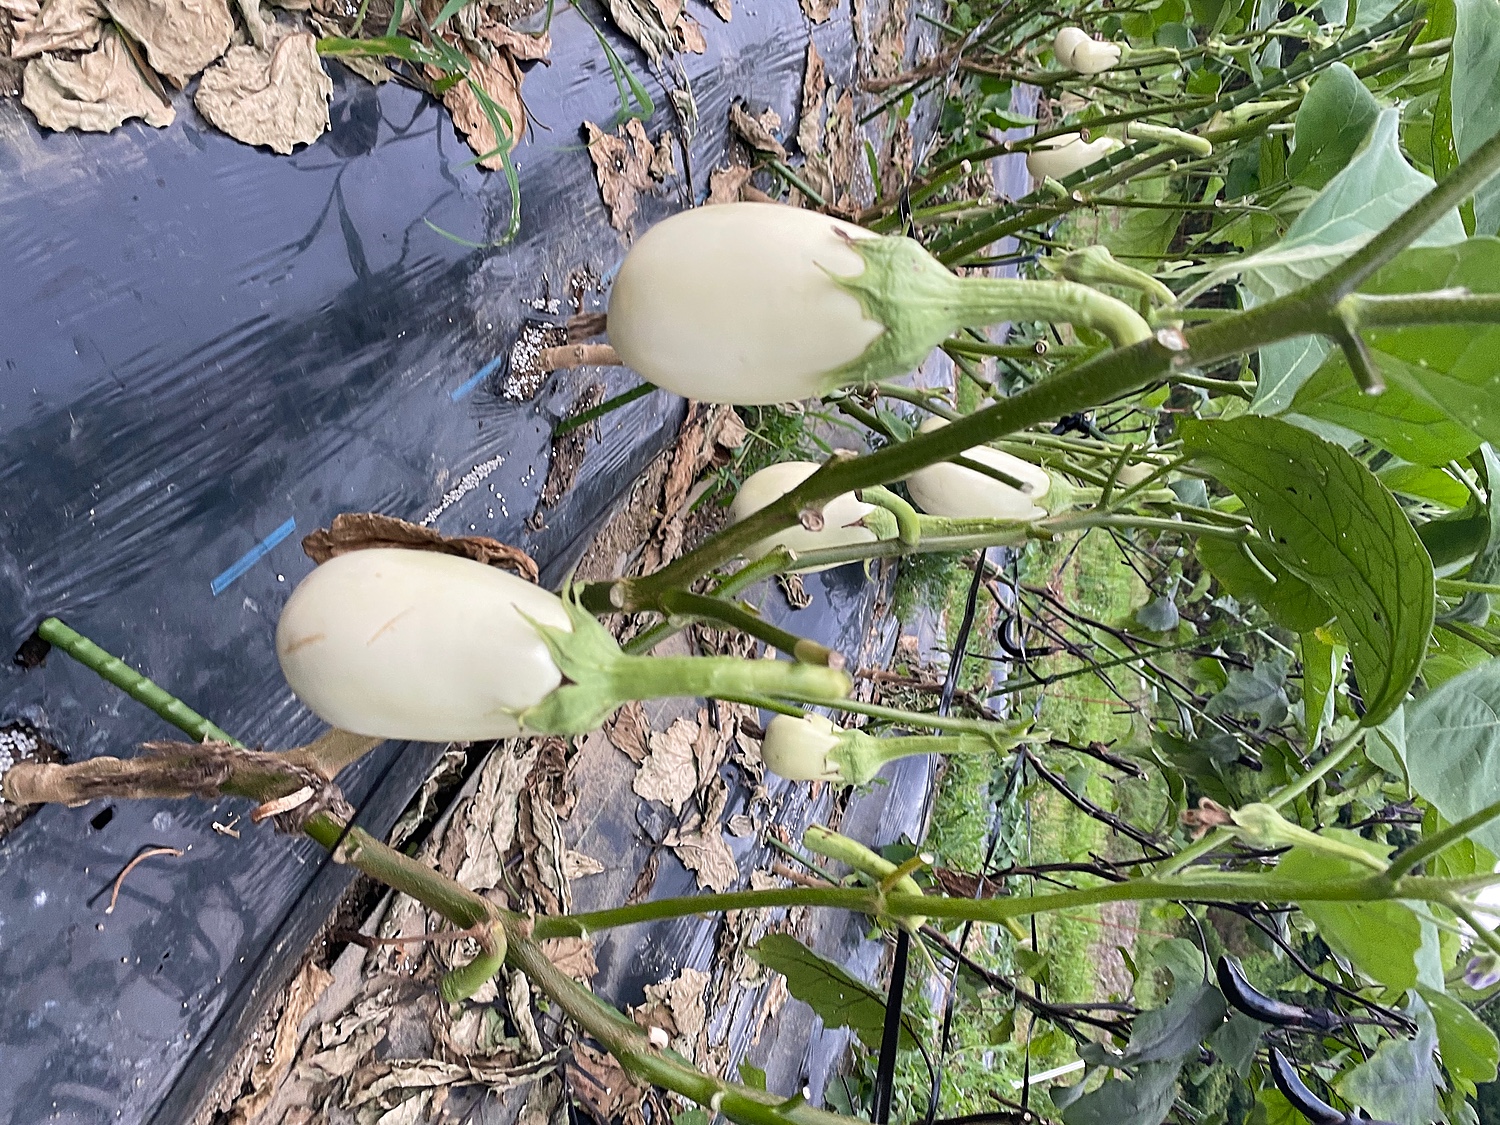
<point>1400,1082</point>
<point>1143,1099</point>
<point>1382,938</point>
<point>1250,574</point>
<point>1475,95</point>
<point>1373,189</point>
<point>839,999</point>
<point>1444,394</point>
<point>1326,519</point>
<point>1334,118</point>
<point>1469,1048</point>
<point>1453,747</point>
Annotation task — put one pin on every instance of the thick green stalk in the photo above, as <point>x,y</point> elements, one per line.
<point>726,677</point>
<point>983,301</point>
<point>703,607</point>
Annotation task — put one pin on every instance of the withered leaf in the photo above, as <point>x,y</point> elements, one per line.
<point>690,35</point>
<point>579,865</point>
<point>725,184</point>
<point>814,87</point>
<point>501,81</point>
<point>359,531</point>
<point>664,160</point>
<point>754,133</point>
<point>520,45</point>
<point>704,850</point>
<point>642,21</point>
<point>276,97</point>
<point>96,94</point>
<point>181,37</point>
<point>819,10</point>
<point>676,1006</point>
<point>272,1064</point>
<point>573,955</point>
<point>60,25</point>
<point>842,143</point>
<point>622,165</point>
<point>669,774</point>
<point>600,1082</point>
<point>724,9</point>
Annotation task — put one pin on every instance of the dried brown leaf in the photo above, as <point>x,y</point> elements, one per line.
<point>359,531</point>
<point>602,1084</point>
<point>814,90</point>
<point>573,955</point>
<point>664,160</point>
<point>754,132</point>
<point>522,46</point>
<point>580,865</point>
<point>622,166</point>
<point>276,97</point>
<point>501,80</point>
<point>690,35</point>
<point>669,774</point>
<point>181,37</point>
<point>676,1006</point>
<point>96,94</point>
<point>842,143</point>
<point>60,25</point>
<point>819,10</point>
<point>725,184</point>
<point>630,730</point>
<point>641,20</point>
<point>724,9</point>
<point>704,851</point>
<point>273,1063</point>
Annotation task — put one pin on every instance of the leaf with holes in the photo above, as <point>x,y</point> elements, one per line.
<point>1326,519</point>
<point>839,999</point>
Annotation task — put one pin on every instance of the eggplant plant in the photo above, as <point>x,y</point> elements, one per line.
<point>1259,353</point>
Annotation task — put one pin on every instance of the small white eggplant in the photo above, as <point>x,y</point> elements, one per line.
<point>1059,157</point>
<point>1067,41</point>
<point>412,644</point>
<point>950,490</point>
<point>841,515</point>
<point>756,303</point>
<point>811,748</point>
<point>1093,57</point>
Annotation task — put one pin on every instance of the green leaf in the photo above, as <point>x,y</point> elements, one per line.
<point>1237,1041</point>
<point>1423,483</point>
<point>1144,1099</point>
<point>1326,519</point>
<point>1366,197</point>
<point>1248,572</point>
<point>1449,655</point>
<point>1175,1032</point>
<point>1475,95</point>
<point>1469,1048</point>
<point>1400,1083</point>
<point>1260,691</point>
<point>1382,938</point>
<point>1332,120</point>
<point>839,999</point>
<point>1444,382</point>
<point>752,1076</point>
<point>1322,662</point>
<point>1453,747</point>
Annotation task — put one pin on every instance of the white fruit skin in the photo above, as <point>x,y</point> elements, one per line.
<point>839,514</point>
<point>797,749</point>
<point>734,303</point>
<point>416,645</point>
<point>1062,156</point>
<point>1133,474</point>
<point>1067,41</point>
<point>951,490</point>
<point>1093,57</point>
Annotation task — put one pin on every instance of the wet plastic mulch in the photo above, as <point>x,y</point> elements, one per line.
<point>206,353</point>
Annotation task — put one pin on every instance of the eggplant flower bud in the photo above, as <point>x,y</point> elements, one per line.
<point>757,303</point>
<point>841,515</point>
<point>1060,157</point>
<point>393,643</point>
<point>946,489</point>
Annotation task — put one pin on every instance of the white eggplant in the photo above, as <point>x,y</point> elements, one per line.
<point>841,515</point>
<point>411,644</point>
<point>756,303</point>
<point>810,748</point>
<point>950,490</point>
<point>798,748</point>
<point>1093,57</point>
<point>1059,157</point>
<point>1067,41</point>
